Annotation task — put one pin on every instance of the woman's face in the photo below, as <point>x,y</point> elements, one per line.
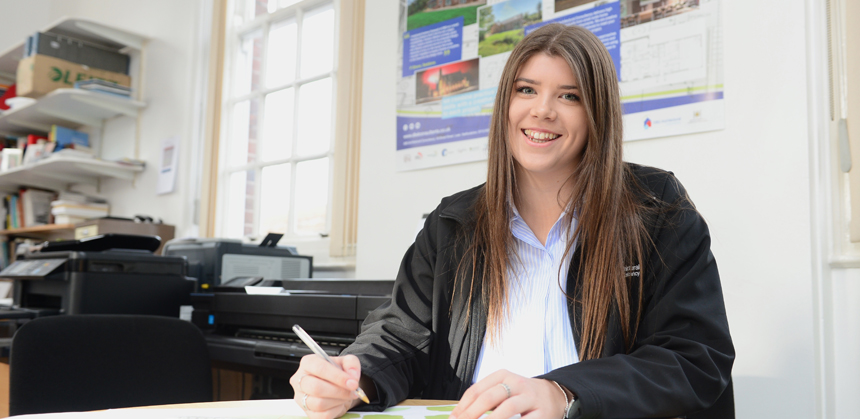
<point>548,124</point>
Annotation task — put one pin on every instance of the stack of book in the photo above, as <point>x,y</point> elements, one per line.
<point>73,208</point>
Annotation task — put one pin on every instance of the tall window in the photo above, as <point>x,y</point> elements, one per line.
<point>278,136</point>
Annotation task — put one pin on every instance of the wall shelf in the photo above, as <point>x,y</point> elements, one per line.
<point>43,232</point>
<point>56,172</point>
<point>71,108</point>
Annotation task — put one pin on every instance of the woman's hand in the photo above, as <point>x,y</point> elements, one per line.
<point>508,394</point>
<point>323,390</point>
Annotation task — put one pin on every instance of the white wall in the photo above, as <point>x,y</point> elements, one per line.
<point>168,77</point>
<point>751,181</point>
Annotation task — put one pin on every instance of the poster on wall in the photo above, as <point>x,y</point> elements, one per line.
<point>667,54</point>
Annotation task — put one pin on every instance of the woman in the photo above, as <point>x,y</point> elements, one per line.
<point>571,284</point>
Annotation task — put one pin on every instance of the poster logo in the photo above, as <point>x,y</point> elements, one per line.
<point>647,123</point>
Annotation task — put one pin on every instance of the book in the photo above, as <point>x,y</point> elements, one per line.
<point>36,206</point>
<point>38,151</point>
<point>74,196</point>
<point>103,86</point>
<point>69,219</point>
<point>78,209</point>
<point>33,138</point>
<point>10,158</point>
<point>78,51</point>
<point>64,137</point>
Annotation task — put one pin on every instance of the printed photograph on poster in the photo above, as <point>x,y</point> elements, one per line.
<point>450,79</point>
<point>501,24</point>
<point>427,12</point>
<point>634,12</point>
<point>561,5</point>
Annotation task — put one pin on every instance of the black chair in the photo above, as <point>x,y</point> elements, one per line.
<point>91,362</point>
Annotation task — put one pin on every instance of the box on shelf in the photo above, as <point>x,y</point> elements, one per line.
<point>39,75</point>
<point>117,225</point>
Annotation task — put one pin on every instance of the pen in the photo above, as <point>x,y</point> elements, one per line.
<point>308,340</point>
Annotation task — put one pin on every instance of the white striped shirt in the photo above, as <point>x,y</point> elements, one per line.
<point>537,337</point>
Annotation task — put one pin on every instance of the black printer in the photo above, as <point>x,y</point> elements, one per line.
<point>108,274</point>
<point>251,332</point>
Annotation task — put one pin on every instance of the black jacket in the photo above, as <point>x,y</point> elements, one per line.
<point>416,346</point>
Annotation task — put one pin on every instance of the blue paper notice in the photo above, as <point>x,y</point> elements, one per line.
<point>466,104</point>
<point>604,21</point>
<point>432,45</point>
<point>423,131</point>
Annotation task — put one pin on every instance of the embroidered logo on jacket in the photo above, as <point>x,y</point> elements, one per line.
<point>631,270</point>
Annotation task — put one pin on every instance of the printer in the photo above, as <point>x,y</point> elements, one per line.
<point>249,329</point>
<point>107,274</point>
<point>213,261</point>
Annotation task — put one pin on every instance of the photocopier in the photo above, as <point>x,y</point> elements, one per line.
<point>106,274</point>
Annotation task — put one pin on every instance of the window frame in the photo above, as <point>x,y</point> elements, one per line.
<point>338,248</point>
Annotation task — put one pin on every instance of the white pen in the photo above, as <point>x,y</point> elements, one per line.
<point>308,340</point>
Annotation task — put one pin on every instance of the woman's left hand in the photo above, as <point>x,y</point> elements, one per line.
<point>508,394</point>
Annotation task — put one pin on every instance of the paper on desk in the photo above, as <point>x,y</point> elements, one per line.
<point>256,409</point>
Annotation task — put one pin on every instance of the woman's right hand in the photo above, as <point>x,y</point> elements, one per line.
<point>323,390</point>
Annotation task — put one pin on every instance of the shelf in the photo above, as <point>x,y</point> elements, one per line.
<point>57,172</point>
<point>71,108</point>
<point>84,29</point>
<point>47,232</point>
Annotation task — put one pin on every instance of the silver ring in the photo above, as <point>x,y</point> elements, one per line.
<point>507,389</point>
<point>300,383</point>
<point>305,402</point>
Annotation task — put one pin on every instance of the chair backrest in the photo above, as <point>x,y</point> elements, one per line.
<point>91,362</point>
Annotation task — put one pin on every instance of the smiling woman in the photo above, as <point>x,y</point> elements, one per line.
<point>548,123</point>
<point>571,284</point>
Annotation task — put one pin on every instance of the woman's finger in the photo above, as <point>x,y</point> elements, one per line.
<point>489,399</point>
<point>315,386</point>
<point>319,367</point>
<point>477,389</point>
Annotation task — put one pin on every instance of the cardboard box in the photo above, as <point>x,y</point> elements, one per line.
<point>39,75</point>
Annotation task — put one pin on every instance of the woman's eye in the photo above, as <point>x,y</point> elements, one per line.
<point>525,89</point>
<point>571,97</point>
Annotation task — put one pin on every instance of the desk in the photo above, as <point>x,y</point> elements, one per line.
<point>245,409</point>
<point>232,404</point>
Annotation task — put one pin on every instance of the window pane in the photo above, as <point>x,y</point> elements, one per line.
<point>247,70</point>
<point>237,147</point>
<point>314,124</point>
<point>281,64</point>
<point>239,219</point>
<point>242,147</point>
<point>278,126</point>
<point>280,4</point>
<point>275,199</point>
<point>312,188</point>
<point>317,41</point>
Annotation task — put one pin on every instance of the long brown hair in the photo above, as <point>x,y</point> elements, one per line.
<point>610,227</point>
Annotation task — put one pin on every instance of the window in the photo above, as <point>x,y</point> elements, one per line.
<point>279,146</point>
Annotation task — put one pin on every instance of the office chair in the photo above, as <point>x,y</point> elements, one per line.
<point>92,362</point>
